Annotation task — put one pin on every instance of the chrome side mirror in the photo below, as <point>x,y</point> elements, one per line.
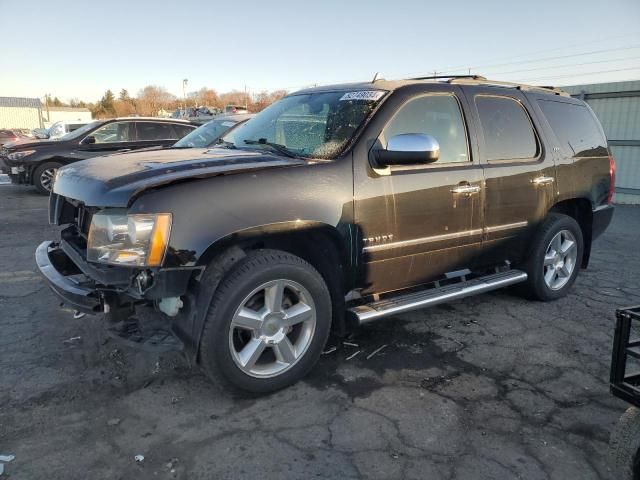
<point>409,149</point>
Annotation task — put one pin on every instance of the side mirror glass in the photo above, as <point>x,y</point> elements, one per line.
<point>89,140</point>
<point>409,149</point>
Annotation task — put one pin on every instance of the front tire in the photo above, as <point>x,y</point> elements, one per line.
<point>268,322</point>
<point>44,175</point>
<point>554,259</point>
<point>624,445</point>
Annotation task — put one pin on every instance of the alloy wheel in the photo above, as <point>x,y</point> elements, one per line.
<point>560,259</point>
<point>46,178</point>
<point>272,328</point>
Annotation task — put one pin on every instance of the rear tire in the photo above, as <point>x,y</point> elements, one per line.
<point>267,324</point>
<point>624,445</point>
<point>554,259</point>
<point>44,175</point>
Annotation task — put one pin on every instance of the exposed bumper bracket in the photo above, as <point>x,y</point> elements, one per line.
<point>64,279</point>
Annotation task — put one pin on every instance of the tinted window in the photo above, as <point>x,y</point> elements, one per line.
<point>80,132</point>
<point>435,115</point>
<point>182,130</point>
<point>507,130</point>
<point>576,129</point>
<point>112,133</point>
<point>155,131</point>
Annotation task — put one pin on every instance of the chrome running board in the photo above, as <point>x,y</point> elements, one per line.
<point>435,296</point>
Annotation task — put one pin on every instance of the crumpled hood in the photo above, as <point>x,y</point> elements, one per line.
<point>115,179</point>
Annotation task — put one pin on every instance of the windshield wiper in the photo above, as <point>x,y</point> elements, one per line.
<point>223,144</point>
<point>274,146</point>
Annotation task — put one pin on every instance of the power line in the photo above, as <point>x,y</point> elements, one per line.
<point>581,74</point>
<point>526,55</point>
<point>568,65</point>
<point>593,52</point>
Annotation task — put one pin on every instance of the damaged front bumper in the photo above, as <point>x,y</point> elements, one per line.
<point>116,292</point>
<point>73,287</point>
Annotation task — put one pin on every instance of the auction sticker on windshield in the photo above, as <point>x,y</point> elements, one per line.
<point>370,95</point>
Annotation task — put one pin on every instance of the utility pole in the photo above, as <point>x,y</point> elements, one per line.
<point>245,97</point>
<point>184,92</point>
<point>46,101</point>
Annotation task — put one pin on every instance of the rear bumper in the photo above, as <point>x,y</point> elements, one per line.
<point>601,220</point>
<point>73,288</point>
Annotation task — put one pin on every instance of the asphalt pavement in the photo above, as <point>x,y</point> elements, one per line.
<point>489,387</point>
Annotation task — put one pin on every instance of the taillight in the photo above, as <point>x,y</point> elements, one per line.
<point>612,179</point>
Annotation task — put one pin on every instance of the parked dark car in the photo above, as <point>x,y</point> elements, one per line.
<point>335,205</point>
<point>36,163</point>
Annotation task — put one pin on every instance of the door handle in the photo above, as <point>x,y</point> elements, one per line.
<point>466,189</point>
<point>542,180</point>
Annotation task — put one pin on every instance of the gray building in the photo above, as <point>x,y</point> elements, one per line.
<point>617,105</point>
<point>20,112</point>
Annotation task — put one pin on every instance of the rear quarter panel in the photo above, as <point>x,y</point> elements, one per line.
<point>576,177</point>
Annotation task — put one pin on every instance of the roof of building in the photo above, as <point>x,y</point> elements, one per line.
<point>21,102</point>
<point>628,86</point>
<point>67,109</point>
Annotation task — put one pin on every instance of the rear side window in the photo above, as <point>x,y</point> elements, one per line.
<point>155,131</point>
<point>576,129</point>
<point>507,129</point>
<point>435,115</point>
<point>113,133</point>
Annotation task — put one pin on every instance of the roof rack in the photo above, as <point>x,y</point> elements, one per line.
<point>441,77</point>
<point>519,86</point>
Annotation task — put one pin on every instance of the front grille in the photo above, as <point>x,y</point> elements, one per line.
<point>65,211</point>
<point>83,219</point>
<point>3,162</point>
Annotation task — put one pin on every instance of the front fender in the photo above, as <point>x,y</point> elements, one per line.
<point>210,213</point>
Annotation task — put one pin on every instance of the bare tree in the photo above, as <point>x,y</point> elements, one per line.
<point>153,98</point>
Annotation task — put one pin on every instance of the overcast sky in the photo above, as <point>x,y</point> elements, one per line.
<point>81,48</point>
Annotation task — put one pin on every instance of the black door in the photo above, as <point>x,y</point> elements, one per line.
<point>110,138</point>
<point>420,222</point>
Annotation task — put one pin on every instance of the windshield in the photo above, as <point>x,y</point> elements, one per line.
<point>80,131</point>
<point>206,134</point>
<point>316,125</point>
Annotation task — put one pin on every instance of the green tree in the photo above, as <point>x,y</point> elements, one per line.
<point>107,102</point>
<point>124,95</point>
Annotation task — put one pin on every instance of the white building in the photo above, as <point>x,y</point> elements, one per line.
<point>20,112</point>
<point>52,115</point>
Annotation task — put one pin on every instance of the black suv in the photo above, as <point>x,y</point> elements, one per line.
<point>337,204</point>
<point>36,162</point>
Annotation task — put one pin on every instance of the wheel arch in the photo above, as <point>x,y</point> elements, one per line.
<point>581,211</point>
<point>318,243</point>
<point>42,161</point>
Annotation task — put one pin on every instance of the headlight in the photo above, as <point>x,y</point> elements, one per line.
<point>121,239</point>
<point>19,155</point>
